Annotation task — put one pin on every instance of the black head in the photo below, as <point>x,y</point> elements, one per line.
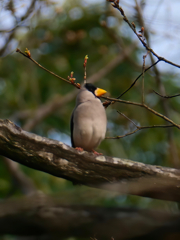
<point>90,87</point>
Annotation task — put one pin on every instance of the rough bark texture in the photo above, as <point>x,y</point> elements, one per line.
<point>39,216</point>
<point>60,160</point>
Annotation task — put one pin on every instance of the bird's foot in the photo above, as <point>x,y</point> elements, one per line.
<point>79,149</point>
<point>96,153</point>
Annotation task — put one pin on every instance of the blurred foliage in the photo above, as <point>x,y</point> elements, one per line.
<point>59,36</point>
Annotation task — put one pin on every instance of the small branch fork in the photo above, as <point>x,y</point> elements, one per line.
<point>138,128</point>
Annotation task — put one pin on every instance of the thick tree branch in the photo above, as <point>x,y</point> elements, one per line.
<point>63,161</point>
<point>40,215</point>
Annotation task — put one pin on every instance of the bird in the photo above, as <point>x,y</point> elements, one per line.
<point>88,120</point>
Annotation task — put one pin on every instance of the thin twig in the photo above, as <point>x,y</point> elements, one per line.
<point>85,75</point>
<point>137,79</point>
<point>125,135</point>
<point>172,96</point>
<point>143,71</point>
<point>143,67</point>
<point>39,65</point>
<point>138,128</point>
<point>128,119</point>
<point>84,65</point>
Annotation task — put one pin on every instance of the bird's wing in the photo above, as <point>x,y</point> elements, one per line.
<point>72,127</point>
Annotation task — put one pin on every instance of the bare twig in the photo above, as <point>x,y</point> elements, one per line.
<point>128,118</point>
<point>3,49</point>
<point>172,96</point>
<point>138,128</point>
<point>28,55</point>
<point>137,79</point>
<point>84,65</point>
<point>143,69</point>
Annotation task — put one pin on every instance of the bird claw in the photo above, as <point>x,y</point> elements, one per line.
<point>79,149</point>
<point>96,153</point>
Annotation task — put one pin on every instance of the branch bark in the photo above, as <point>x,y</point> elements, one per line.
<point>115,174</point>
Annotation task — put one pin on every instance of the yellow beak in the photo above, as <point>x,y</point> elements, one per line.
<point>99,92</point>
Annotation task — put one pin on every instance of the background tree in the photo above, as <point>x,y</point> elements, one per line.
<point>59,35</point>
